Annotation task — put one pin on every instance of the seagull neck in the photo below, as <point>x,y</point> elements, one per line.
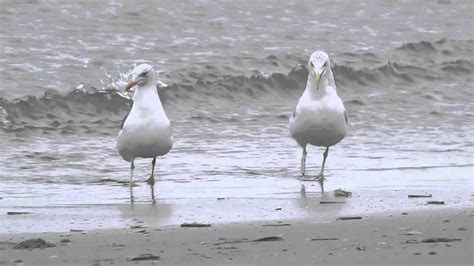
<point>327,86</point>
<point>144,92</point>
<point>147,94</point>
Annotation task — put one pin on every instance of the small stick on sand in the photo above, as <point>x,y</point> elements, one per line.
<point>420,196</point>
<point>17,213</point>
<point>195,225</point>
<point>349,218</point>
<point>324,239</point>
<point>331,202</point>
<point>435,202</point>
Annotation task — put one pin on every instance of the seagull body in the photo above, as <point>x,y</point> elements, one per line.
<point>320,117</point>
<point>146,130</point>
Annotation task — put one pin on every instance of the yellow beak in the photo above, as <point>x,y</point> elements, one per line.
<point>318,78</point>
<point>130,85</point>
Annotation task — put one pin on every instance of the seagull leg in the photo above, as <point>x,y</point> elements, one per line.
<point>325,155</point>
<point>321,185</point>
<point>153,195</point>
<point>132,166</point>
<point>303,170</point>
<point>303,162</point>
<point>151,179</point>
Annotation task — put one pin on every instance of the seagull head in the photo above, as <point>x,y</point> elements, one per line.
<point>141,75</point>
<point>318,66</point>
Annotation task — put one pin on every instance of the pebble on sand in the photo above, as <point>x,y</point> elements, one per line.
<point>342,193</point>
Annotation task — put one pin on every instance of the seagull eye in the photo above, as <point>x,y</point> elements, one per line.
<point>325,64</point>
<point>143,74</point>
<point>311,63</point>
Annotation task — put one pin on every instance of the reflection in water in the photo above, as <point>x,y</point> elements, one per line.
<point>152,190</point>
<point>157,213</point>
<point>311,204</point>
<point>316,179</point>
<point>152,193</point>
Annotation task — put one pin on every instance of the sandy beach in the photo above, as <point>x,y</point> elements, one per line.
<point>426,237</point>
<point>425,219</point>
<point>371,226</point>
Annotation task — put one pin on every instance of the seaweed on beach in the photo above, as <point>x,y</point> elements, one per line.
<point>33,243</point>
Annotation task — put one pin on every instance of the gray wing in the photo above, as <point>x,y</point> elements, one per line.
<point>124,118</point>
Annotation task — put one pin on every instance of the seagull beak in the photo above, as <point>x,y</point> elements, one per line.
<point>317,76</point>
<point>130,85</point>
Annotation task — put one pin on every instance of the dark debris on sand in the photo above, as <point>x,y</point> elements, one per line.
<point>420,195</point>
<point>143,257</point>
<point>343,218</point>
<point>435,202</point>
<point>268,238</point>
<point>17,213</point>
<point>440,239</point>
<point>195,225</point>
<point>342,193</point>
<point>432,240</point>
<point>33,243</point>
<point>277,224</point>
<point>243,240</point>
<point>324,239</point>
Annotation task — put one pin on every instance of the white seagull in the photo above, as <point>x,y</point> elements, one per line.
<point>320,117</point>
<point>146,130</point>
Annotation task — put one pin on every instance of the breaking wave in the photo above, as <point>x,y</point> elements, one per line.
<point>81,110</point>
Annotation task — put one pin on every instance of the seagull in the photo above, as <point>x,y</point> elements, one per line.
<point>320,118</point>
<point>146,130</point>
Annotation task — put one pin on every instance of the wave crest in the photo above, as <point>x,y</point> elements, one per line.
<point>411,64</point>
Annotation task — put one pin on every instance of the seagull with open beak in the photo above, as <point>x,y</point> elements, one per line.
<point>146,130</point>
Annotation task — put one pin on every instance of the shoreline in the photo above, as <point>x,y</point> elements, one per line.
<point>260,199</point>
<point>396,238</point>
<point>276,226</point>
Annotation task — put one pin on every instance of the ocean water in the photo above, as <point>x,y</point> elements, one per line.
<point>231,73</point>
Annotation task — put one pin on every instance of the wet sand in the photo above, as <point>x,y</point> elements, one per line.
<point>423,217</point>
<point>431,236</point>
<point>243,200</point>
